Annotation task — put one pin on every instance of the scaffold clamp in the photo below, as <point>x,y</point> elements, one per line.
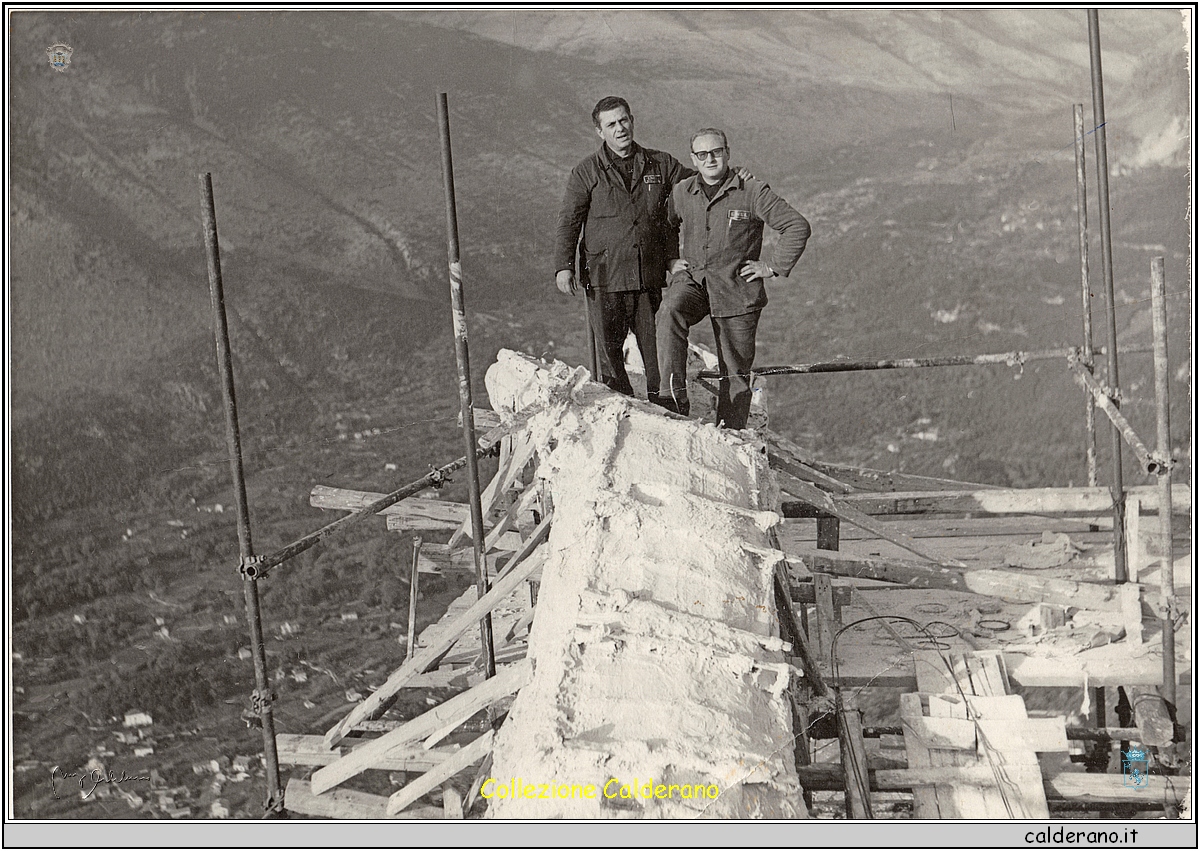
<point>248,567</point>
<point>260,700</point>
<point>437,478</point>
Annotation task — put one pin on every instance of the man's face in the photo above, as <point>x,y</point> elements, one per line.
<point>710,156</point>
<point>616,129</point>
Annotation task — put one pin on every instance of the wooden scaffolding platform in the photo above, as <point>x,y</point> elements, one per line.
<point>945,590</point>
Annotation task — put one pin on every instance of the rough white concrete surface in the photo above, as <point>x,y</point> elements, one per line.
<point>655,643</point>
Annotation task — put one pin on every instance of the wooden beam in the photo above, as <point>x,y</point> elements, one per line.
<point>1098,789</point>
<point>854,759</point>
<point>417,513</point>
<point>826,620</point>
<point>842,509</point>
<point>997,501</point>
<point>295,749</point>
<point>1003,584</point>
<point>1025,671</point>
<point>462,760</point>
<point>346,804</point>
<point>864,478</point>
<point>780,460</point>
<point>518,570</point>
<point>460,707</point>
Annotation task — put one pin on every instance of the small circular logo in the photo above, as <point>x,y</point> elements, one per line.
<point>59,56</point>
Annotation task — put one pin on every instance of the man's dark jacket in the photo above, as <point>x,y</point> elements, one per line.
<point>626,242</point>
<point>722,233</point>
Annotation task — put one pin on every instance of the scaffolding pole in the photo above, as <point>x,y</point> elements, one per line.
<point>1158,302</point>
<point>1088,358</point>
<point>1113,377</point>
<point>262,697</point>
<point>464,382</point>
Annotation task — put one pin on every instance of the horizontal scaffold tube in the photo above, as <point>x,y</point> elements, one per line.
<point>1016,358</point>
<point>1149,463</point>
<point>487,445</point>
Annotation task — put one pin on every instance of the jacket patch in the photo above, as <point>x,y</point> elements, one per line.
<point>652,178</point>
<point>740,215</point>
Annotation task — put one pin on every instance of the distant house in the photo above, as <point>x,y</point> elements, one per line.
<point>242,763</point>
<point>144,750</point>
<point>219,810</point>
<point>137,718</point>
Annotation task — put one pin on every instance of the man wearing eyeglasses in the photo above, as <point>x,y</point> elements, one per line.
<point>720,215</point>
<point>617,198</point>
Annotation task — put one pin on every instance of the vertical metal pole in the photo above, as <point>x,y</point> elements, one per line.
<point>464,382</point>
<point>1088,353</point>
<point>1114,380</point>
<point>1158,304</point>
<point>413,582</point>
<point>262,697</point>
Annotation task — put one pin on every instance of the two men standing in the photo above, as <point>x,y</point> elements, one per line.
<point>630,202</point>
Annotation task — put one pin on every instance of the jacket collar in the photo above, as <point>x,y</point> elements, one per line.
<point>606,156</point>
<point>733,180</point>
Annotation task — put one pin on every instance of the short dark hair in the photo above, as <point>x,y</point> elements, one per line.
<point>608,103</point>
<point>709,131</point>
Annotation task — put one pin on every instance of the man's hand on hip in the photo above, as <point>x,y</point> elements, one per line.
<point>756,269</point>
<point>565,281</point>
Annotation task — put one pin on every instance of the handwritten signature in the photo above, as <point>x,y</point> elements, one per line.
<point>89,780</point>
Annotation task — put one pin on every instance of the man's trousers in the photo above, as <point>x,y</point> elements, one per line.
<point>685,304</point>
<point>613,316</point>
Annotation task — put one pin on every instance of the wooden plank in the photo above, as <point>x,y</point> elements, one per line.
<point>841,509</point>
<point>452,802</point>
<point>1131,608</point>
<point>346,804</point>
<point>462,760</point>
<point>1110,788</point>
<point>783,602</point>
<point>864,478</point>
<point>460,707</point>
<point>940,733</point>
<point>1025,671</point>
<point>416,513</point>
<point>826,621</point>
<point>999,527</point>
<point>854,759</point>
<point>1064,785</point>
<point>779,460</point>
<point>934,677</point>
<point>987,673</point>
<point>1096,500</point>
<point>829,533</point>
<point>296,749</point>
<point>519,569</point>
<point>1041,735</point>
<point>912,716</point>
<point>512,463</point>
<point>485,418</point>
<point>1009,585</point>
<point>956,801</point>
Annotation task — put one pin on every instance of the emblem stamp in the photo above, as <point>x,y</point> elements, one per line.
<point>59,56</point>
<point>1135,768</point>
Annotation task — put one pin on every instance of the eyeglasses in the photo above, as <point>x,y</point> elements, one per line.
<point>715,153</point>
